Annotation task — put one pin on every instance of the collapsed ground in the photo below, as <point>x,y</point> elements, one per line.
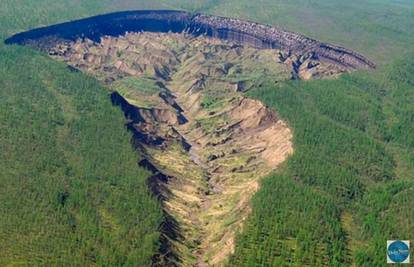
<point>206,143</point>
<point>354,102</point>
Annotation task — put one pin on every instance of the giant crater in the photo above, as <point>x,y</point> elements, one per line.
<point>180,80</point>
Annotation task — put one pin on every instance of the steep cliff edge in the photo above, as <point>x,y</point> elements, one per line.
<point>243,32</point>
<point>207,145</point>
<point>180,78</point>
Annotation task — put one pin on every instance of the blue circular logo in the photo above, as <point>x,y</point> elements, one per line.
<point>398,251</point>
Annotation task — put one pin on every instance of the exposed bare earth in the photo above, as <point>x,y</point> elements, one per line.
<point>207,144</point>
<point>182,92</point>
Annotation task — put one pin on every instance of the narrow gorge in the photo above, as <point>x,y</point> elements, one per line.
<point>180,79</point>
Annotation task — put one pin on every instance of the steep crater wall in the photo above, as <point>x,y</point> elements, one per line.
<point>207,145</point>
<point>244,32</point>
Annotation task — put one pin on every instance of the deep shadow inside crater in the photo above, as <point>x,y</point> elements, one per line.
<point>187,238</point>
<point>239,31</point>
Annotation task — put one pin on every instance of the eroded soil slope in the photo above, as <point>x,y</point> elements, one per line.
<point>207,144</point>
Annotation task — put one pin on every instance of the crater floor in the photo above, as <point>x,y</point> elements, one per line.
<point>206,143</point>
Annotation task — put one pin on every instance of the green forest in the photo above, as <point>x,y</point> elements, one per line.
<point>349,185</point>
<point>72,194</point>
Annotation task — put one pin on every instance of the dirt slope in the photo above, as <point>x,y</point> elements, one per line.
<point>206,143</point>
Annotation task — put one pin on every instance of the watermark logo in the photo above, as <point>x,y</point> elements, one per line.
<point>398,251</point>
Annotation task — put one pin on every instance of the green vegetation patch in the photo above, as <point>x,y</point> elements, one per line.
<point>71,193</point>
<point>145,85</point>
<point>209,102</point>
<point>213,123</point>
<point>139,91</point>
<point>353,155</point>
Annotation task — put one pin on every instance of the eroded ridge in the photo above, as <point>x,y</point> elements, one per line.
<point>232,29</point>
<point>206,143</point>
